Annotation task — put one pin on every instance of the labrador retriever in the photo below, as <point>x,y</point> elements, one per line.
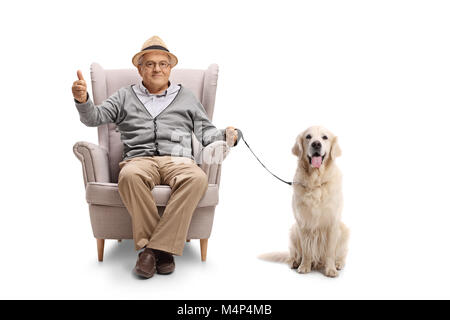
<point>318,239</point>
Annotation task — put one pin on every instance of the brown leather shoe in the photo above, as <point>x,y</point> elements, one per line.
<point>145,265</point>
<point>165,263</point>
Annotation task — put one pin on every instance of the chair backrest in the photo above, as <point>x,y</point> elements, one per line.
<point>203,83</point>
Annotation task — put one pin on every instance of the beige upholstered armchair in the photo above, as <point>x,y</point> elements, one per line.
<point>100,163</point>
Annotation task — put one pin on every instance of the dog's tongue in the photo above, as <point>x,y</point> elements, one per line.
<point>316,162</point>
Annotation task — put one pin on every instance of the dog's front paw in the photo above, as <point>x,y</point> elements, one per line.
<point>340,265</point>
<point>304,269</point>
<point>331,272</point>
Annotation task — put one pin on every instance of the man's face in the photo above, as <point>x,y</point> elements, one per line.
<point>155,69</point>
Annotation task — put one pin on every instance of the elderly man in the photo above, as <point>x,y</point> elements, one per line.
<point>156,119</point>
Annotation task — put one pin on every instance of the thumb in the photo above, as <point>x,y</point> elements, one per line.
<point>80,75</point>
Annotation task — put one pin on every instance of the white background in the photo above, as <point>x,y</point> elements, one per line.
<point>376,73</point>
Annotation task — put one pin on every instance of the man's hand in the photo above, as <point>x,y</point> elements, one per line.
<point>79,88</point>
<point>231,135</point>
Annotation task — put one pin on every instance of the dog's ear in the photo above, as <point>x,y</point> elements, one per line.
<point>297,149</point>
<point>335,149</point>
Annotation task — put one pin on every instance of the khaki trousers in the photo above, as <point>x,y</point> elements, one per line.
<point>138,176</point>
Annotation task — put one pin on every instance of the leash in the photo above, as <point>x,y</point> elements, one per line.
<point>287,182</point>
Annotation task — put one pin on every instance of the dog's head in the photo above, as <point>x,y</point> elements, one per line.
<point>316,146</point>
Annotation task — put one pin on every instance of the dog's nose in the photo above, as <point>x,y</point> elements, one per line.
<point>316,145</point>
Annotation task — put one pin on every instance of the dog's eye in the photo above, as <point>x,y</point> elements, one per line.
<point>324,137</point>
<point>308,136</point>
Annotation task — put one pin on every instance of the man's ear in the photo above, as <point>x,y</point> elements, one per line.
<point>335,149</point>
<point>297,149</point>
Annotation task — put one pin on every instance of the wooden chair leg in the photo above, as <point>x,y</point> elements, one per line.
<point>100,249</point>
<point>203,248</point>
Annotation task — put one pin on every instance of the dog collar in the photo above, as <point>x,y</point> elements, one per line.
<point>307,187</point>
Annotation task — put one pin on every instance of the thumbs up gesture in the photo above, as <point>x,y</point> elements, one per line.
<point>79,88</point>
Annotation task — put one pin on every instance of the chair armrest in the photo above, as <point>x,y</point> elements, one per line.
<point>94,161</point>
<point>211,158</point>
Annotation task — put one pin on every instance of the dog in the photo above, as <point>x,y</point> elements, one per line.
<point>318,239</point>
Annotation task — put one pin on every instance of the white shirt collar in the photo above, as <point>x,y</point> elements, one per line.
<point>171,89</point>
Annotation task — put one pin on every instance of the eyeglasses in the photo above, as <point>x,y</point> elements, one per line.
<point>152,64</point>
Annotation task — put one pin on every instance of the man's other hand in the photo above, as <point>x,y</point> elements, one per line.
<point>231,135</point>
<point>79,88</point>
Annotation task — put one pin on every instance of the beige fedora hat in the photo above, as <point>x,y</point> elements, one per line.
<point>155,44</point>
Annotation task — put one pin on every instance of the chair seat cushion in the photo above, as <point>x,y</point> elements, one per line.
<point>107,194</point>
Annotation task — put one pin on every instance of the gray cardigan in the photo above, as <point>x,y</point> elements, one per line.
<point>169,133</point>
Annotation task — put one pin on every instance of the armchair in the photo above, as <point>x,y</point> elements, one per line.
<point>100,163</point>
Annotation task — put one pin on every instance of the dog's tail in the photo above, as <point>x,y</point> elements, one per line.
<point>275,257</point>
